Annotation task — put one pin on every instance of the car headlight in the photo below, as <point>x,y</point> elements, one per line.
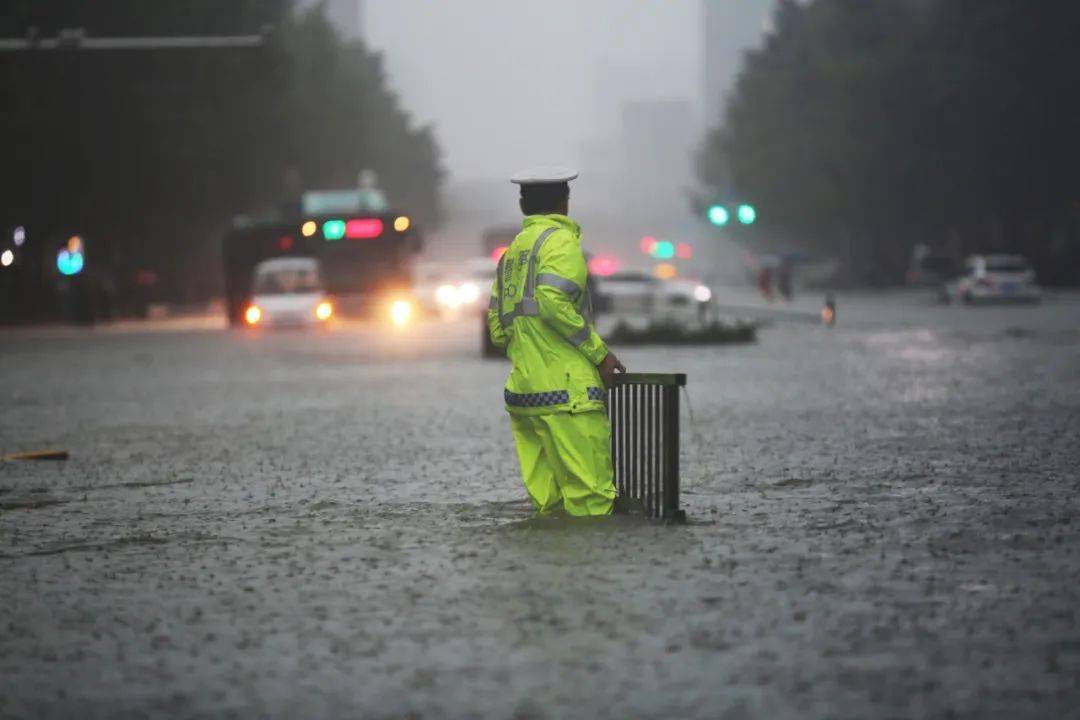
<point>324,310</point>
<point>468,293</point>
<point>702,293</point>
<point>253,315</point>
<point>447,295</point>
<point>401,312</point>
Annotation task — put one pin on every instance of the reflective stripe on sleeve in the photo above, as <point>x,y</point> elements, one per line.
<point>559,283</point>
<point>596,393</point>
<point>580,336</point>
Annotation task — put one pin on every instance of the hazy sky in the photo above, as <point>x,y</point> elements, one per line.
<point>509,83</point>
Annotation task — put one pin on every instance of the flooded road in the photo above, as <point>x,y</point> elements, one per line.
<point>884,521</point>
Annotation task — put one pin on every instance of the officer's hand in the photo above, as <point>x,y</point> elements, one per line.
<point>607,368</point>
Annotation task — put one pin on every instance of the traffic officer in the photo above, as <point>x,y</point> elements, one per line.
<point>539,313</point>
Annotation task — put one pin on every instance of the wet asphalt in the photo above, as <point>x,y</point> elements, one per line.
<point>883,522</point>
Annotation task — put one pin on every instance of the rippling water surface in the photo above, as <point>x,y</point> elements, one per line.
<point>882,524</point>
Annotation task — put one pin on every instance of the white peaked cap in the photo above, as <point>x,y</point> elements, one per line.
<point>545,175</point>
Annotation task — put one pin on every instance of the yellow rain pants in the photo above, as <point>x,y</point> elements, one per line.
<point>566,461</point>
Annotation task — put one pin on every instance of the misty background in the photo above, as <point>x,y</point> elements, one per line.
<point>621,91</point>
<point>859,130</point>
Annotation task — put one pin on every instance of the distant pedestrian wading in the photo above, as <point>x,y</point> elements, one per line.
<point>540,313</point>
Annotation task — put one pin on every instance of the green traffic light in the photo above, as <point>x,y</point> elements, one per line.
<point>747,214</point>
<point>663,250</point>
<point>333,229</point>
<point>718,215</point>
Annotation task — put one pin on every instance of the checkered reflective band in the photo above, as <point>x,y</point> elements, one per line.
<point>596,393</point>
<point>540,399</point>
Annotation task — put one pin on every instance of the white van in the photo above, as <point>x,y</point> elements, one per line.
<point>288,292</point>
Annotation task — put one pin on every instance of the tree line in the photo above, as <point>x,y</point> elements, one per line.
<point>862,127</point>
<point>150,153</point>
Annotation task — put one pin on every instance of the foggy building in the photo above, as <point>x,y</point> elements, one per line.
<point>658,141</point>
<point>728,30</point>
<point>347,16</point>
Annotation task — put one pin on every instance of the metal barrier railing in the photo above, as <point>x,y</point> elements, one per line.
<point>644,413</point>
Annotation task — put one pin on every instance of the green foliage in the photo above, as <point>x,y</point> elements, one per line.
<point>150,153</point>
<point>865,126</point>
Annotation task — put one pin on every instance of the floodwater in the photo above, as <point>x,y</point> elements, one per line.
<point>883,522</point>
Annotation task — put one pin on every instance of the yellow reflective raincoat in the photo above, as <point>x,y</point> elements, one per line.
<point>539,312</point>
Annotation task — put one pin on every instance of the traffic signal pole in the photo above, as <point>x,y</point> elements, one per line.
<point>77,39</point>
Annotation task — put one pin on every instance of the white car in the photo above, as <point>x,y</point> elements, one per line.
<point>452,289</point>
<point>427,279</point>
<point>625,298</point>
<point>288,292</point>
<point>682,304</point>
<point>642,302</point>
<point>994,278</point>
<point>474,290</point>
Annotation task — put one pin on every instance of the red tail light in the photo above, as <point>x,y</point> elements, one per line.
<point>363,228</point>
